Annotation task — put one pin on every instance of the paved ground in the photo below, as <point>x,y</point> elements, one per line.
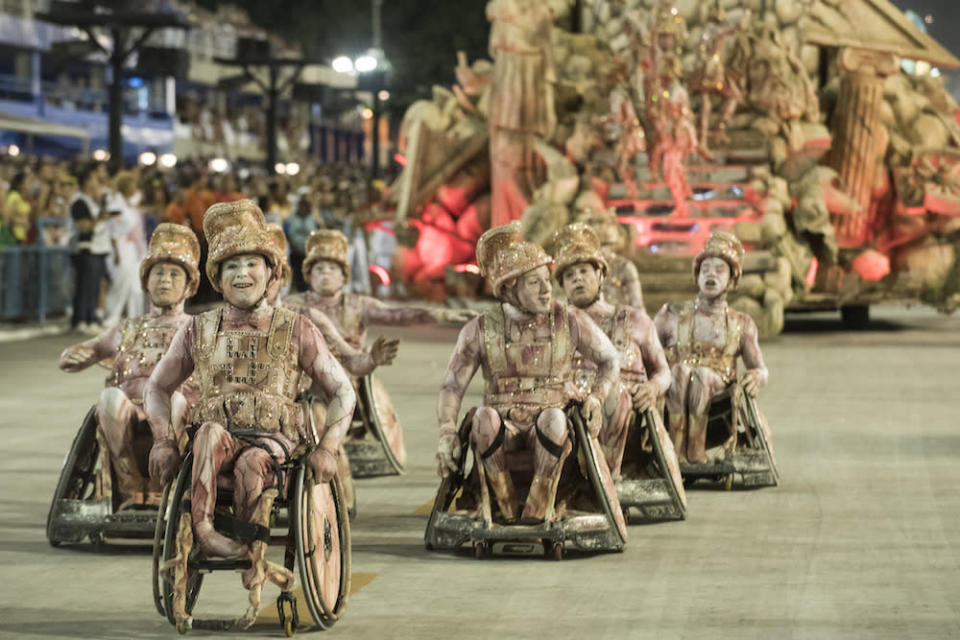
<point>862,539</point>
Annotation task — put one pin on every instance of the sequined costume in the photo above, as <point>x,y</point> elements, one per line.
<point>135,346</point>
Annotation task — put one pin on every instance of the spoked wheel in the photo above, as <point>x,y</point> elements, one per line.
<point>174,524</point>
<point>158,534</point>
<point>322,538</point>
<point>383,421</point>
<point>76,477</point>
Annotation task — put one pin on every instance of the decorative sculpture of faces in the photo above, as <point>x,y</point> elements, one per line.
<point>326,277</point>
<point>714,277</point>
<point>244,279</point>
<point>533,290</point>
<point>581,282</point>
<point>166,284</point>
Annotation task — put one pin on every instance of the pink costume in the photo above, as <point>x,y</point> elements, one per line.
<point>136,346</point>
<point>630,330</point>
<point>527,358</point>
<point>703,339</point>
<point>247,362</point>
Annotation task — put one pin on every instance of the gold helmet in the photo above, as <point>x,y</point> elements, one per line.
<point>326,244</point>
<point>503,254</point>
<point>576,243</point>
<point>235,228</point>
<point>176,244</point>
<point>725,245</point>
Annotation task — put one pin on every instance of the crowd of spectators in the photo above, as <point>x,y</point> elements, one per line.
<point>105,219</point>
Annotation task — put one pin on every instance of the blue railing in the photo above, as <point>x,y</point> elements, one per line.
<point>35,281</point>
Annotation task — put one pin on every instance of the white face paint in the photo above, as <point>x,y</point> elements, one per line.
<point>326,277</point>
<point>581,282</point>
<point>534,291</point>
<point>244,279</point>
<point>714,277</point>
<point>166,284</point>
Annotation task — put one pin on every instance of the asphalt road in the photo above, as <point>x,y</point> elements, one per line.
<point>861,540</point>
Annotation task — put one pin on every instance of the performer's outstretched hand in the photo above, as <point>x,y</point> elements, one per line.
<point>384,350</point>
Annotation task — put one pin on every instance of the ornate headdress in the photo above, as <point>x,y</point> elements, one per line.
<point>326,244</point>
<point>502,254</point>
<point>235,228</point>
<point>576,243</point>
<point>176,244</point>
<point>722,244</point>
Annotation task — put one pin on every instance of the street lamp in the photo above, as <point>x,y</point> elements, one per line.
<point>373,67</point>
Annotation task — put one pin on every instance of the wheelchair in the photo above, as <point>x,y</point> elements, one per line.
<point>650,482</point>
<point>749,462</point>
<point>84,505</point>
<point>585,515</point>
<point>374,444</point>
<point>309,519</point>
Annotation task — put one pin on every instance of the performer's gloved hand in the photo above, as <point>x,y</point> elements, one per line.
<point>448,451</point>
<point>73,357</point>
<point>384,350</point>
<point>322,465</point>
<point>644,396</point>
<point>457,316</point>
<point>592,412</point>
<point>751,383</point>
<point>164,460</point>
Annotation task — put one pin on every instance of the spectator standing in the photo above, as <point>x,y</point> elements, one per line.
<point>129,242</point>
<point>298,228</point>
<point>18,209</point>
<point>90,247</point>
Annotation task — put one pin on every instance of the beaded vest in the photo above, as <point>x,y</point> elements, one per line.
<point>143,341</point>
<point>248,379</point>
<point>722,358</point>
<point>524,370</point>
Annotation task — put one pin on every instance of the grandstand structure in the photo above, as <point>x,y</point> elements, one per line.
<point>177,98</point>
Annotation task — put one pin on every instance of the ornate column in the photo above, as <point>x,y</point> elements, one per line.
<point>858,136</point>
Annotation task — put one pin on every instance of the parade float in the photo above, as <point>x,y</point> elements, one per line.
<point>819,132</point>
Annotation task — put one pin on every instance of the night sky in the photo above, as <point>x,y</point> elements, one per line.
<point>946,19</point>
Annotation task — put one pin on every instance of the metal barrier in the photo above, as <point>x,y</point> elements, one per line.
<point>35,281</point>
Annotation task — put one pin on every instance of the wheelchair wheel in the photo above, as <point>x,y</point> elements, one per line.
<point>383,421</point>
<point>179,501</point>
<point>77,477</point>
<point>322,536</point>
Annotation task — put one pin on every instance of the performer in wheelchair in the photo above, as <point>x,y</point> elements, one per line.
<point>704,338</point>
<point>169,275</point>
<point>327,270</point>
<point>357,362</point>
<point>644,374</point>
<point>525,346</point>
<point>247,358</point>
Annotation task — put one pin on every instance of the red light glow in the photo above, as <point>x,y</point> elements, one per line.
<point>381,273</point>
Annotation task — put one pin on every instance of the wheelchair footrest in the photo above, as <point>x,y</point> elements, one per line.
<point>221,565</point>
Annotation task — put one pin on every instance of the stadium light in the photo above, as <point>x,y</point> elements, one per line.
<point>365,64</point>
<point>292,168</point>
<point>168,160</point>
<point>147,158</point>
<point>219,165</point>
<point>101,155</point>
<point>342,64</point>
<point>280,168</point>
<point>13,150</point>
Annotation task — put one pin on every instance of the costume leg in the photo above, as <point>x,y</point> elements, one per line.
<point>676,401</point>
<point>489,432</point>
<point>116,417</point>
<point>212,447</point>
<point>252,472</point>
<point>704,385</point>
<point>548,454</point>
<point>617,409</point>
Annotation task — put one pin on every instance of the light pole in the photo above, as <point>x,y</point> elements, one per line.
<point>371,69</point>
